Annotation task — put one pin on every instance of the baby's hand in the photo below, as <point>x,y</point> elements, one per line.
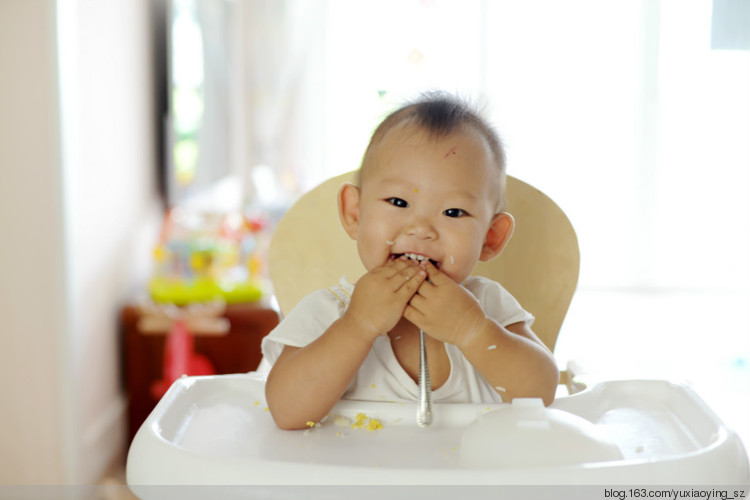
<point>443,309</point>
<point>381,295</point>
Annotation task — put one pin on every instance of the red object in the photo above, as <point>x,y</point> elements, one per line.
<point>238,351</point>
<point>180,359</point>
<point>256,224</point>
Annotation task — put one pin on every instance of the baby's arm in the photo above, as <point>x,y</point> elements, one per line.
<point>306,382</point>
<point>519,366</point>
<point>512,359</point>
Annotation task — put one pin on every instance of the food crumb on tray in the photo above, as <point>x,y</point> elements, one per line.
<point>374,425</point>
<point>341,421</point>
<point>362,421</point>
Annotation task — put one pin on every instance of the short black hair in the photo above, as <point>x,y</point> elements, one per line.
<point>439,113</point>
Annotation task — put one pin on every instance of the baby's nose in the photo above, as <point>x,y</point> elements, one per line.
<point>420,227</point>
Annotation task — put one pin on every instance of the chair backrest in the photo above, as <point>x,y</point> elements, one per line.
<point>539,266</point>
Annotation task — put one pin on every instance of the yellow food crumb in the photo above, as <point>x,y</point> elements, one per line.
<point>373,386</point>
<point>362,421</point>
<point>374,425</point>
<point>266,409</point>
<point>256,403</point>
<point>310,423</point>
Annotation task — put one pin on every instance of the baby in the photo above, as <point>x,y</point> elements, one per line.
<point>427,206</point>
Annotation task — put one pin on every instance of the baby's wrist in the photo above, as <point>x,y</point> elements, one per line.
<point>360,324</point>
<point>473,332</point>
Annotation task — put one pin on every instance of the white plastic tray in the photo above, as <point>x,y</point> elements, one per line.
<point>217,430</point>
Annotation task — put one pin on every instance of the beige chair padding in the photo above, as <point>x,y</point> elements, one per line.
<point>539,266</point>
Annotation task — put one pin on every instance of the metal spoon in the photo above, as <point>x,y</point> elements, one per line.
<point>424,410</point>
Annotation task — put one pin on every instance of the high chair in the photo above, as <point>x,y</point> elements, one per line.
<point>539,266</point>
<point>217,429</point>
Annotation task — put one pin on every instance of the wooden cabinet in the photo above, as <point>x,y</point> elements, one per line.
<point>236,351</point>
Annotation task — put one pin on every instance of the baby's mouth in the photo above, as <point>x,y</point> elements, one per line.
<point>415,257</point>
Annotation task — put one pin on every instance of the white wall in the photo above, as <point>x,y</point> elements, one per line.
<point>78,208</point>
<point>32,277</point>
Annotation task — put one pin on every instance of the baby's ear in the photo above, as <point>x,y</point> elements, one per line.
<point>498,236</point>
<point>348,200</point>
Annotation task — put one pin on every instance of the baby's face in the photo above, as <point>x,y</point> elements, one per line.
<point>433,198</point>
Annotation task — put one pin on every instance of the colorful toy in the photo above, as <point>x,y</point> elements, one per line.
<point>202,257</point>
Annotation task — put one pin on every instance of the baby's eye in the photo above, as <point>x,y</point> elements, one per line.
<point>397,202</point>
<point>455,212</point>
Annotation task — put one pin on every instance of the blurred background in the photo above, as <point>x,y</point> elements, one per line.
<point>633,115</point>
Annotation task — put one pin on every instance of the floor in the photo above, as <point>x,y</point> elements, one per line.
<point>112,486</point>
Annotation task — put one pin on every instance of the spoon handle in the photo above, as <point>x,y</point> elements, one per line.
<point>424,410</point>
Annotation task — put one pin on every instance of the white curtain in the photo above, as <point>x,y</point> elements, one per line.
<point>282,96</point>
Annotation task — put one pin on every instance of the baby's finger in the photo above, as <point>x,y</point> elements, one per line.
<point>418,302</point>
<point>415,316</point>
<point>399,268</point>
<point>401,278</point>
<point>429,285</point>
<point>398,265</point>
<point>434,275</point>
<point>409,281</point>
